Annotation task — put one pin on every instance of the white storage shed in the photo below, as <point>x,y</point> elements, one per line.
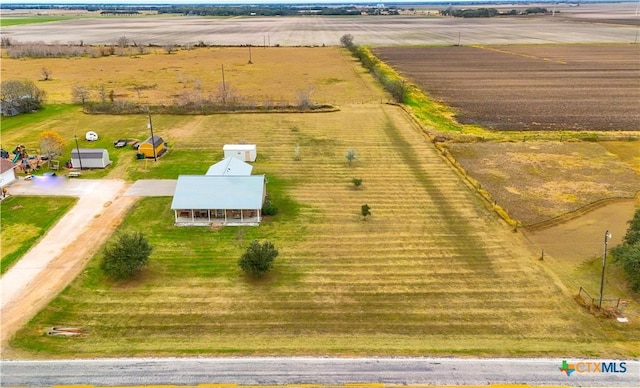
<point>90,158</point>
<point>244,152</point>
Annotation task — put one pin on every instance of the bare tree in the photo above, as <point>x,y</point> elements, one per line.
<point>6,41</point>
<point>347,41</point>
<point>23,96</point>
<point>79,94</point>
<point>123,41</point>
<point>304,98</point>
<point>46,74</point>
<point>169,48</point>
<point>103,94</point>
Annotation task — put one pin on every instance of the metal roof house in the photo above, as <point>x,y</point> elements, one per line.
<point>90,158</point>
<point>202,200</point>
<point>230,166</point>
<point>244,152</point>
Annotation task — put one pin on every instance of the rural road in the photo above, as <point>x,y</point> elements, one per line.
<point>298,370</point>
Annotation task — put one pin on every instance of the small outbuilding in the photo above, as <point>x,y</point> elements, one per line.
<point>90,158</point>
<point>7,172</point>
<point>244,152</point>
<point>147,147</point>
<point>230,166</point>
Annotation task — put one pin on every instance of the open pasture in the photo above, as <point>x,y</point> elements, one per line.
<point>584,24</point>
<point>277,75</point>
<point>432,271</point>
<point>532,87</point>
<point>561,177</point>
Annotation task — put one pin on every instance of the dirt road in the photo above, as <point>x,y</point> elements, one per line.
<point>61,254</point>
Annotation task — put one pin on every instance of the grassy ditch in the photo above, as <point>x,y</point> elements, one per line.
<point>24,221</point>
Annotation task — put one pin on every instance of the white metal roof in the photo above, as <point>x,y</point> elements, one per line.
<point>230,166</point>
<point>218,192</point>
<point>90,153</point>
<point>238,147</point>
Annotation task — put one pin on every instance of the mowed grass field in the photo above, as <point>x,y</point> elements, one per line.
<point>431,271</point>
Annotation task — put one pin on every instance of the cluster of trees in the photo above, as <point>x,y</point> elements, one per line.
<point>627,254</point>
<point>396,86</point>
<point>129,253</point>
<point>17,50</point>
<point>20,97</point>
<point>470,12</point>
<point>190,101</point>
<point>258,10</point>
<point>487,12</point>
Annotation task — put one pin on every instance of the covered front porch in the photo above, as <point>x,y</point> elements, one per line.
<point>227,217</point>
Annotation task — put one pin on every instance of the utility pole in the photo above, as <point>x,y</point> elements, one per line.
<point>78,151</point>
<point>153,140</point>
<point>224,88</point>
<point>607,236</point>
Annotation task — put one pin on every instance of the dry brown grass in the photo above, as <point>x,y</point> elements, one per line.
<point>276,74</point>
<point>538,180</point>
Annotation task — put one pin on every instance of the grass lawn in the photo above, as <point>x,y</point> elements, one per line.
<point>24,220</point>
<point>432,271</point>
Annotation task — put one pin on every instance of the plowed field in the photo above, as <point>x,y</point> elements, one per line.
<point>533,87</point>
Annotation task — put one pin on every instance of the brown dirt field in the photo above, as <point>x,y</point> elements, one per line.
<point>537,181</point>
<point>590,23</point>
<point>533,87</point>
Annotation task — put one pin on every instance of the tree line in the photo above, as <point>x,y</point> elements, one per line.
<point>488,12</point>
<point>627,254</point>
<point>395,86</point>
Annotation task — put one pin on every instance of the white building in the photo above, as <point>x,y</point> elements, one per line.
<point>244,152</point>
<point>90,158</point>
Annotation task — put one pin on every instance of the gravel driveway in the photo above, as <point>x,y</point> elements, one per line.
<point>63,252</point>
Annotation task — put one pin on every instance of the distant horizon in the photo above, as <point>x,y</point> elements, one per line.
<point>267,2</point>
